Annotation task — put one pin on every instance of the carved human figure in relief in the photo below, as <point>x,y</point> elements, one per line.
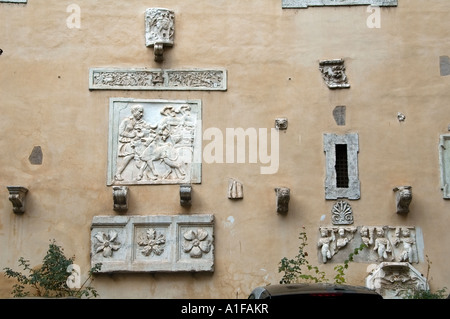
<point>131,130</point>
<point>342,241</point>
<point>325,244</point>
<point>367,236</point>
<point>403,235</point>
<point>382,245</point>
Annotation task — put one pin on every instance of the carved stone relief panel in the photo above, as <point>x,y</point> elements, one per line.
<point>293,4</point>
<point>157,79</point>
<point>342,213</point>
<point>333,73</point>
<point>154,142</point>
<point>153,243</point>
<point>384,243</point>
<point>392,279</point>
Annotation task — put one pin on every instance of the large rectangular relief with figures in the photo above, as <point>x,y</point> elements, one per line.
<point>154,142</point>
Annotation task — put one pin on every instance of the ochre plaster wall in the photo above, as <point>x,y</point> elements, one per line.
<point>271,56</point>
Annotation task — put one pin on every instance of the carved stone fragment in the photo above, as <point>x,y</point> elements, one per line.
<point>342,213</point>
<point>158,79</point>
<point>301,4</point>
<point>17,195</point>
<point>333,73</point>
<point>393,279</point>
<point>281,123</point>
<point>154,142</point>
<point>185,195</point>
<point>153,243</point>
<point>403,198</point>
<point>283,196</point>
<point>159,30</point>
<point>120,198</point>
<point>235,189</point>
<point>332,239</point>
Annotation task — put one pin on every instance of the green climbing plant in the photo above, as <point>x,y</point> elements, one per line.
<point>299,268</point>
<point>51,278</point>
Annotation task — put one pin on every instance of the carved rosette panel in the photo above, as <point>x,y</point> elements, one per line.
<point>154,142</point>
<point>383,243</point>
<point>171,243</point>
<point>157,79</point>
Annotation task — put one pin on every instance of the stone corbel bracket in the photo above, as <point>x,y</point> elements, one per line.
<point>17,195</point>
<point>159,30</point>
<point>403,199</point>
<point>283,196</point>
<point>120,198</point>
<point>186,195</point>
<point>281,123</point>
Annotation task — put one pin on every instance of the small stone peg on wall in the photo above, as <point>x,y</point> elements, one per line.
<point>185,195</point>
<point>120,197</point>
<point>17,195</point>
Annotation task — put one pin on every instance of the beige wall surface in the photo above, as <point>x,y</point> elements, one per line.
<point>272,60</point>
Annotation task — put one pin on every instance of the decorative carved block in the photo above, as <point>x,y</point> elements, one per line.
<point>185,195</point>
<point>384,243</point>
<point>153,243</point>
<point>392,279</point>
<point>157,79</point>
<point>281,123</point>
<point>120,198</point>
<point>283,197</point>
<point>403,198</point>
<point>154,142</point>
<point>333,73</point>
<point>159,30</point>
<point>342,213</point>
<point>301,4</point>
<point>235,189</point>
<point>17,195</point>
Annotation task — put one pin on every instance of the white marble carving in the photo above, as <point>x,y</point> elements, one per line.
<point>163,243</point>
<point>157,79</point>
<point>393,279</point>
<point>342,213</point>
<point>332,239</point>
<point>235,189</point>
<point>444,164</point>
<point>403,198</point>
<point>159,30</point>
<point>384,243</point>
<point>333,73</point>
<point>154,142</point>
<point>298,4</point>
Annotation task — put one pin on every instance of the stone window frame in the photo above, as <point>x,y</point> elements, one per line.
<point>353,191</point>
<point>444,165</point>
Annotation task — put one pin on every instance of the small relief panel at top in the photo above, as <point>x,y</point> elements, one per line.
<point>154,142</point>
<point>293,4</point>
<point>333,73</point>
<point>159,26</point>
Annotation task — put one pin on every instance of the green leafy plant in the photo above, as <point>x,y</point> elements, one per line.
<point>50,279</point>
<point>426,293</point>
<point>299,269</point>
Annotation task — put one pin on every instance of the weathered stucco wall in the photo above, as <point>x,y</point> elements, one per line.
<point>272,60</point>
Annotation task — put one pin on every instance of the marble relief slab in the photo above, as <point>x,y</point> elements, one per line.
<point>162,243</point>
<point>157,79</point>
<point>154,142</point>
<point>320,3</point>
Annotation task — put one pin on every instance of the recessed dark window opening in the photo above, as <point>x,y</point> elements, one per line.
<point>341,166</point>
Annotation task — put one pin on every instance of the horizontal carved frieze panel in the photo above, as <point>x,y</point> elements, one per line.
<point>157,79</point>
<point>162,243</point>
<point>383,243</point>
<point>286,4</point>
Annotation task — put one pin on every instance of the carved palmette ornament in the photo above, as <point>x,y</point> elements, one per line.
<point>342,213</point>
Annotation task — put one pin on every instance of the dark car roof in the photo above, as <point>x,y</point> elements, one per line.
<point>312,289</point>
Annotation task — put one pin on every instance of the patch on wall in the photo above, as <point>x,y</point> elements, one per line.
<point>294,4</point>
